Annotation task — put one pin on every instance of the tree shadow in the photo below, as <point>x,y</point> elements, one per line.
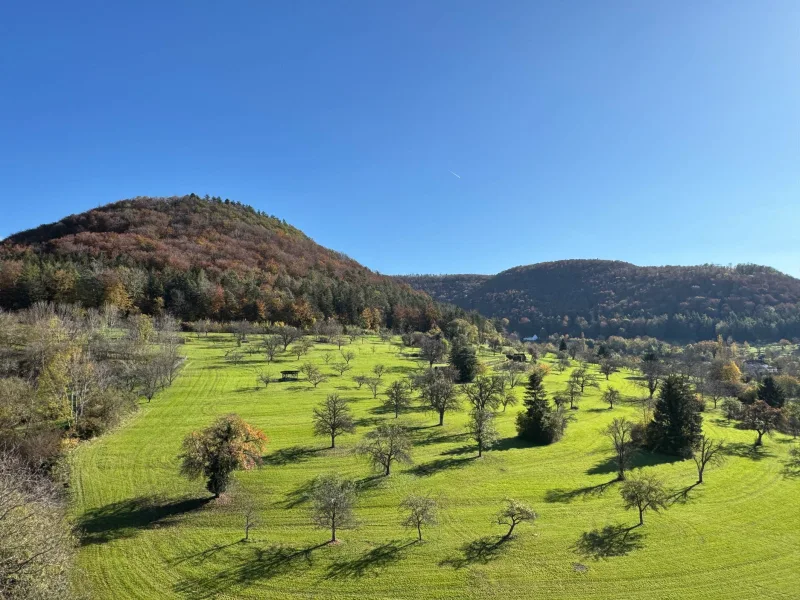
<point>444,438</point>
<point>369,563</point>
<point>125,518</point>
<point>290,455</point>
<point>744,450</point>
<point>482,551</point>
<point>367,421</point>
<point>682,496</point>
<point>638,460</point>
<point>512,443</point>
<point>300,495</point>
<point>611,540</point>
<point>560,495</point>
<point>440,464</point>
<point>370,482</point>
<point>460,450</point>
<point>200,557</point>
<point>262,564</point>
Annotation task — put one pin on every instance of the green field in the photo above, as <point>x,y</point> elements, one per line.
<point>150,533</point>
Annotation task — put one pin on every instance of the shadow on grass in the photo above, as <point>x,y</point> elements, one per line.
<point>480,551</point>
<point>610,541</point>
<point>638,460</point>
<point>369,563</point>
<point>367,421</point>
<point>560,495</point>
<point>298,496</point>
<point>290,455</point>
<point>512,443</point>
<point>444,438</point>
<point>261,564</point>
<point>126,518</point>
<point>200,557</point>
<point>743,450</point>
<point>440,464</point>
<point>682,496</point>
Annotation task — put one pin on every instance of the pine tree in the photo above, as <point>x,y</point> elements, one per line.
<point>677,423</point>
<point>538,422</point>
<point>771,393</point>
<point>464,360</point>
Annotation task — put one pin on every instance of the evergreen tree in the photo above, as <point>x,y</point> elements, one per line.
<point>538,423</point>
<point>464,360</point>
<point>771,393</point>
<point>677,423</point>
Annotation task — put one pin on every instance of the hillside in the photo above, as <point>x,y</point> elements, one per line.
<point>200,258</point>
<point>603,298</point>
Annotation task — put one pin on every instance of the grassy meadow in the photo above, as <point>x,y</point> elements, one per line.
<point>150,533</point>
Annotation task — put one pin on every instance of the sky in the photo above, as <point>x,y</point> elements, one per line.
<point>421,137</point>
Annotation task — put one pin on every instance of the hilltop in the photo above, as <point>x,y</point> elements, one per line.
<point>200,258</point>
<point>603,298</point>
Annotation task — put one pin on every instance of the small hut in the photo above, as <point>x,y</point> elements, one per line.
<point>289,375</point>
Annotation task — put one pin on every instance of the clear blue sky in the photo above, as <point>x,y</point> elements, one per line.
<point>658,133</point>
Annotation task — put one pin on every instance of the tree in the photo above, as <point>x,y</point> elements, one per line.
<point>229,444</point>
<point>770,392</point>
<point>608,367</point>
<point>333,417</point>
<point>301,348</point>
<point>539,423</point>
<point>513,372</point>
<point>387,443</point>
<point>263,378</point>
<point>348,355</point>
<point>464,360</point>
<point>792,417</point>
<point>708,452</point>
<point>582,377</point>
<point>313,374</point>
<point>761,418</point>
<point>432,349</point>
<point>250,518</point>
<point>677,423</point>
<point>287,334</point>
<point>482,429</point>
<point>419,511</point>
<point>341,368</point>
<point>732,409</point>
<point>360,380</point>
<point>562,346</point>
<point>440,394</point>
<point>373,383</point>
<point>652,372</point>
<point>644,492</point>
<point>514,513</point>
<point>483,393</point>
<point>379,370</point>
<point>612,396</point>
<point>37,547</point>
<point>573,392</point>
<point>270,345</point>
<point>620,432</point>
<point>398,397</point>
<point>333,499</point>
<point>508,398</point>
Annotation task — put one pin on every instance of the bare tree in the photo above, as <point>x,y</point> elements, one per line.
<point>373,383</point>
<point>348,355</point>
<point>419,511</point>
<point>270,346</point>
<point>612,396</point>
<point>398,397</point>
<point>708,452</point>
<point>620,432</point>
<point>514,513</point>
<point>508,398</point>
<point>439,394</point>
<point>432,349</point>
<point>333,500</point>
<point>514,372</point>
<point>385,444</point>
<point>313,374</point>
<point>287,334</point>
<point>341,367</point>
<point>333,417</point>
<point>326,356</point>
<point>250,518</point>
<point>483,393</point>
<point>360,380</point>
<point>379,370</point>
<point>263,377</point>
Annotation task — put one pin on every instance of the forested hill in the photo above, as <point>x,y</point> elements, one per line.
<point>603,298</point>
<point>200,258</point>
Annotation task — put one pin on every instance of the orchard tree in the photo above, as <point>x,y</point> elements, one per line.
<point>439,393</point>
<point>612,396</point>
<point>398,397</point>
<point>385,444</point>
<point>573,392</point>
<point>270,346</point>
<point>761,418</point>
<point>341,368</point>
<point>508,398</point>
<point>514,372</point>
<point>229,444</point>
<point>514,513</point>
<point>644,492</point>
<point>483,393</point>
<point>348,355</point>
<point>333,417</point>
<point>287,334</point>
<point>419,511</point>
<point>620,432</point>
<point>652,372</point>
<point>373,383</point>
<point>378,370</point>
<point>708,452</point>
<point>432,349</point>
<point>333,499</point>
<point>482,429</point>
<point>608,366</point>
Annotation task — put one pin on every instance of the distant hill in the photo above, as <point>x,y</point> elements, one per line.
<point>603,298</point>
<point>200,258</point>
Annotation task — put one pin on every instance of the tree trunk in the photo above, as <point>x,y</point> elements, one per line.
<point>388,467</point>
<point>419,532</point>
<point>510,531</point>
<point>333,533</point>
<point>641,516</point>
<point>760,435</point>
<point>441,418</point>
<point>480,449</point>
<point>333,441</point>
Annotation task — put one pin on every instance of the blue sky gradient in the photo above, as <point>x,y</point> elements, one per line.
<point>657,133</point>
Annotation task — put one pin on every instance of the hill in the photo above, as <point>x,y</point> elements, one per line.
<point>604,298</point>
<point>200,258</point>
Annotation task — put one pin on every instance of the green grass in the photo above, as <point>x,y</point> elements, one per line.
<point>149,533</point>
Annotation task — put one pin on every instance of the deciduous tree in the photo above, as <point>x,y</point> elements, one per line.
<point>333,417</point>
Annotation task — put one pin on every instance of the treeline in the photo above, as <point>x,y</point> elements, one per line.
<point>202,259</point>
<point>66,374</point>
<point>604,298</point>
